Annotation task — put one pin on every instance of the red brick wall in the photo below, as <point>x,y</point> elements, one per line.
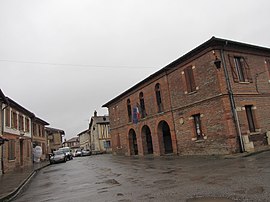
<point>10,165</point>
<point>210,100</point>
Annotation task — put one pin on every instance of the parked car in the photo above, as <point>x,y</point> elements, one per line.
<point>86,152</point>
<point>67,151</point>
<point>58,157</point>
<point>77,153</point>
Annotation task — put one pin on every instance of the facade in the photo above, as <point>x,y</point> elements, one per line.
<point>54,138</point>
<point>3,103</point>
<point>17,152</point>
<point>84,139</point>
<point>212,100</point>
<point>73,144</point>
<point>100,134</point>
<point>39,137</point>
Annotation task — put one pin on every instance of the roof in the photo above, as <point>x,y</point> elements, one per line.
<point>20,108</point>
<point>55,130</point>
<point>100,120</point>
<point>36,119</point>
<point>74,139</point>
<point>83,132</point>
<point>3,97</point>
<point>211,43</point>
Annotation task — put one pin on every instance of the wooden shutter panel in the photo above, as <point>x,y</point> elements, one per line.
<point>247,70</point>
<point>233,68</point>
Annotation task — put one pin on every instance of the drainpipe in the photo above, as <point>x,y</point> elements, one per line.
<point>232,101</point>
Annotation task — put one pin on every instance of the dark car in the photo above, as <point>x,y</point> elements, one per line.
<point>86,152</point>
<point>58,157</point>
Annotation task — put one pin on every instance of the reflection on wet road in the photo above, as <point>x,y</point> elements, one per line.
<point>123,179</point>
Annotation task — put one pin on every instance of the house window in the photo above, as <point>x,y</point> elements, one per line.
<point>11,150</point>
<point>158,98</point>
<point>14,119</point>
<point>7,116</point>
<point>27,125</point>
<point>250,118</point>
<point>241,70</point>
<point>34,129</point>
<point>197,125</point>
<point>21,123</point>
<point>142,106</point>
<point>267,62</point>
<point>129,111</point>
<point>190,81</point>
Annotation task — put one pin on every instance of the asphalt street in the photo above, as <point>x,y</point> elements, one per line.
<point>110,178</point>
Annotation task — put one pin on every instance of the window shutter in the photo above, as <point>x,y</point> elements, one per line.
<point>247,70</point>
<point>187,80</point>
<point>233,68</point>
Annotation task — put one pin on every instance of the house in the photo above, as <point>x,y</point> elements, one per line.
<point>17,122</point>
<point>212,100</point>
<point>72,143</point>
<point>100,135</point>
<point>39,137</point>
<point>84,139</point>
<point>3,103</point>
<point>55,138</point>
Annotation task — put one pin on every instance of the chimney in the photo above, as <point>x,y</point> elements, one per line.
<point>95,113</point>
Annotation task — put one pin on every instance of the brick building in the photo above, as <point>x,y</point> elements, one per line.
<point>39,137</point>
<point>212,100</point>
<point>17,152</point>
<point>55,138</point>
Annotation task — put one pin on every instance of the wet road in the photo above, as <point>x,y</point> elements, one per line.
<point>122,179</point>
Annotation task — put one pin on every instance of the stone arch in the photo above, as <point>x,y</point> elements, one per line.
<point>133,142</point>
<point>164,135</point>
<point>147,140</point>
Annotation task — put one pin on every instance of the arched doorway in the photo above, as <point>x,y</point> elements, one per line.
<point>164,130</point>
<point>147,140</point>
<point>133,142</point>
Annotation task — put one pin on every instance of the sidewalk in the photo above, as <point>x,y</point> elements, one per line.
<point>11,183</point>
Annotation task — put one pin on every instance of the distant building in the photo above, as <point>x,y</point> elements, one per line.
<point>212,100</point>
<point>100,134</point>
<point>73,143</point>
<point>39,137</point>
<point>55,138</point>
<point>84,139</point>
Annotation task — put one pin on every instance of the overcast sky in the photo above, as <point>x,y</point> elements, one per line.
<point>63,59</point>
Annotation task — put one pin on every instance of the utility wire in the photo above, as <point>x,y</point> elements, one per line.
<point>77,65</point>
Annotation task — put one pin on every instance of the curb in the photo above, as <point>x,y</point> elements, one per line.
<point>10,196</point>
<point>14,193</point>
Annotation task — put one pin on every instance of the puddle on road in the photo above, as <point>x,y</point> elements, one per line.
<point>209,199</point>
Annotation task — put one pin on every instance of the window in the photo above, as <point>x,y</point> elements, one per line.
<point>14,120</point>
<point>158,98</point>
<point>27,125</point>
<point>7,116</point>
<point>267,62</point>
<point>190,81</point>
<point>250,118</point>
<point>142,106</point>
<point>240,69</point>
<point>197,124</point>
<point>11,150</point>
<point>21,123</point>
<point>34,129</point>
<point>129,111</point>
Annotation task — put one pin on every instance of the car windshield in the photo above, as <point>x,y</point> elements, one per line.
<point>58,152</point>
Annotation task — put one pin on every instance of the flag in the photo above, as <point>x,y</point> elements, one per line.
<point>136,115</point>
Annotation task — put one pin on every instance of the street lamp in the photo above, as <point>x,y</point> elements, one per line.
<point>217,63</point>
